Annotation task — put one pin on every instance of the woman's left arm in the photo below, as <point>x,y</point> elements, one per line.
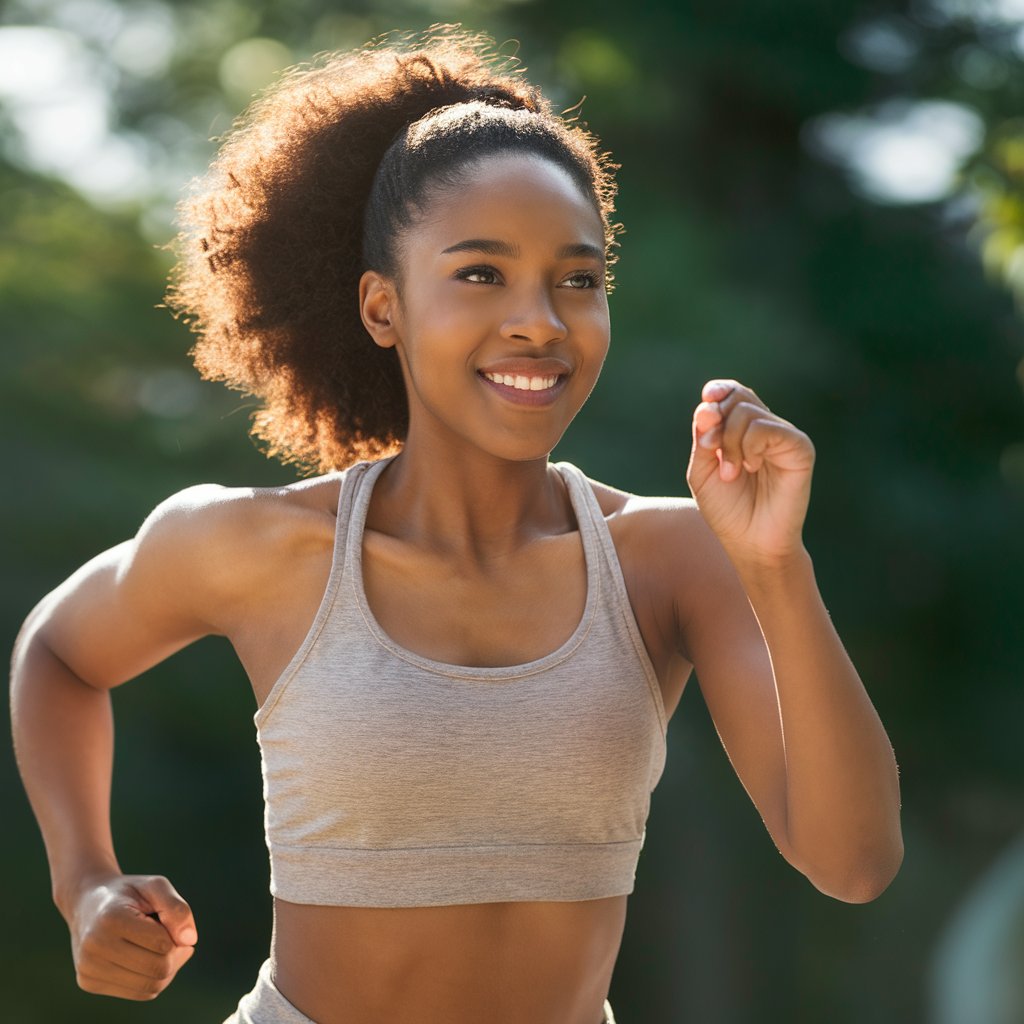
<point>838,806</point>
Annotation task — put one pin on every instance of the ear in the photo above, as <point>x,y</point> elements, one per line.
<point>378,304</point>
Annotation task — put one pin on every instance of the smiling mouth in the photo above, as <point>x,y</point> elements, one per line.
<point>521,382</point>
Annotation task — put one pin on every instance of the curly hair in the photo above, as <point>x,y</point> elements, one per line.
<point>313,185</point>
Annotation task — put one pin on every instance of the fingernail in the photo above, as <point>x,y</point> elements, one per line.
<point>708,440</point>
<point>728,470</point>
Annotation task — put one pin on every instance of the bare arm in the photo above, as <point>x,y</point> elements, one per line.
<point>121,613</point>
<point>842,788</point>
<point>787,701</point>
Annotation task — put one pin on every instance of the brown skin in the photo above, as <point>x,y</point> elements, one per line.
<point>470,505</point>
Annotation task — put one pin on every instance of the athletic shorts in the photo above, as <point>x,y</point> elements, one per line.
<point>265,1005</point>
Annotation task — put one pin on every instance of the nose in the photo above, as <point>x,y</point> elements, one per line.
<point>532,317</point>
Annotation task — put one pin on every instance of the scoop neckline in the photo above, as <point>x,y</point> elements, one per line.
<point>354,563</point>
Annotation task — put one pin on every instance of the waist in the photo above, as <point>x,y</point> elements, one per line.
<point>545,962</point>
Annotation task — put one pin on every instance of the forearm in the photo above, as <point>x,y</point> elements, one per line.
<point>842,785</point>
<point>64,738</point>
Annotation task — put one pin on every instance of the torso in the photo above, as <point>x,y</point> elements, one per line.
<point>547,963</point>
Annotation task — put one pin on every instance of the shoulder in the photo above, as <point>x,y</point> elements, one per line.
<point>660,529</point>
<point>206,518</point>
<point>671,561</point>
<point>238,532</point>
<point>202,560</point>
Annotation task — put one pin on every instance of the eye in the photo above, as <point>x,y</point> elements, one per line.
<point>584,279</point>
<point>473,274</point>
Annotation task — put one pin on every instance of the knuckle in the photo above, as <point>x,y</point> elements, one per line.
<point>85,961</point>
<point>87,984</point>
<point>152,987</point>
<point>162,970</point>
<point>90,944</point>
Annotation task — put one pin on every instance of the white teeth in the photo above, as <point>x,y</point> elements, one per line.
<point>523,383</point>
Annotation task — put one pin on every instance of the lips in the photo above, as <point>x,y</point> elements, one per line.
<point>526,381</point>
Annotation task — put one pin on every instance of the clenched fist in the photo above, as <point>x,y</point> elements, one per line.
<point>130,935</point>
<point>750,473</point>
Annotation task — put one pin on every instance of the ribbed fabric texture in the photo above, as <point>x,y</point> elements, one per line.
<point>392,780</point>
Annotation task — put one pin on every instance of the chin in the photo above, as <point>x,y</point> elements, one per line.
<point>519,451</point>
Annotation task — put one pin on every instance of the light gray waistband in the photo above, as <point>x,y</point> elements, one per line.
<point>266,1005</point>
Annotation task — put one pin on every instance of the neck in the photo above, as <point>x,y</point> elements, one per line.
<point>469,505</point>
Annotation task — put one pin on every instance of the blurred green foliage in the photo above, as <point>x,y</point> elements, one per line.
<point>873,326</point>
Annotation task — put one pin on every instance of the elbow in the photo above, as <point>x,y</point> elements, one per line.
<point>849,870</point>
<point>865,882</point>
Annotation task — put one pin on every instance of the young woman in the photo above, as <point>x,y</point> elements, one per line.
<point>464,657</point>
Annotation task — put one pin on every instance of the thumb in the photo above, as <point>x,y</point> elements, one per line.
<point>167,906</point>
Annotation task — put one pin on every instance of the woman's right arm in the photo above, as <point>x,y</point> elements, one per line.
<point>125,610</point>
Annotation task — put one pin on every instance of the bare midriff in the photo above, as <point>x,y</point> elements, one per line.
<point>503,963</point>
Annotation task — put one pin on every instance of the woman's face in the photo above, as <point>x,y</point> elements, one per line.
<point>502,323</point>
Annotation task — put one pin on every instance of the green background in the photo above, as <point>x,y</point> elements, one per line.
<point>890,331</point>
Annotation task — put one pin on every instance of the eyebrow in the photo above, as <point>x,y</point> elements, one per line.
<point>495,247</point>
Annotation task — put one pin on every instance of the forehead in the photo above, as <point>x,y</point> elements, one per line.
<point>510,195</point>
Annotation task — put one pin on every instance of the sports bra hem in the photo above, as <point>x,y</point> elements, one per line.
<point>442,876</point>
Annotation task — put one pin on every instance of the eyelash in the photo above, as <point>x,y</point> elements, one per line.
<point>593,280</point>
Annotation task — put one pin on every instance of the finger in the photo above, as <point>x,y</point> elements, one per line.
<point>707,418</point>
<point>755,442</point>
<point>771,438</point>
<point>737,394</point>
<point>106,942</point>
<point>172,911</point>
<point>144,961</point>
<point>739,418</point>
<point>100,965</point>
<point>724,395</point>
<point>718,389</point>
<point>703,459</point>
<point>101,986</point>
<point>139,928</point>
<point>98,987</point>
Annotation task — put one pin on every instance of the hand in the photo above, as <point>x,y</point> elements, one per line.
<point>130,935</point>
<point>750,473</point>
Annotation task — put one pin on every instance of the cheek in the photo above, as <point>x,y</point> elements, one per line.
<point>436,330</point>
<point>438,307</point>
<point>597,328</point>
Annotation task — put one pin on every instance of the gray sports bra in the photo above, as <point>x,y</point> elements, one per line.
<point>392,780</point>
